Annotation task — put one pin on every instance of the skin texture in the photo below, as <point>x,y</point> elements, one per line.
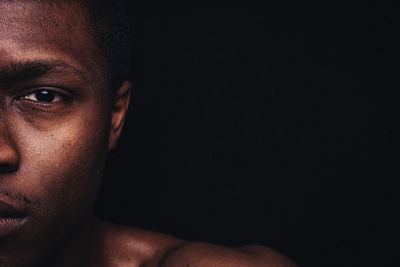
<point>52,152</point>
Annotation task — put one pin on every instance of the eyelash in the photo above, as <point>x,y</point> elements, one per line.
<point>60,97</point>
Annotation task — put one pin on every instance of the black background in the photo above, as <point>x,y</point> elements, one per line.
<point>262,123</point>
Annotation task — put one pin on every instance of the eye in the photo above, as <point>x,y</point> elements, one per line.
<point>44,96</point>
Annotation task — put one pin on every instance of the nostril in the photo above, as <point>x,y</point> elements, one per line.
<point>9,158</point>
<point>5,168</point>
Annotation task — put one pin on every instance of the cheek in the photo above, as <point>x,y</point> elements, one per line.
<point>61,168</point>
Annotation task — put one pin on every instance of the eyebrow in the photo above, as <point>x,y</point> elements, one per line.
<point>24,71</point>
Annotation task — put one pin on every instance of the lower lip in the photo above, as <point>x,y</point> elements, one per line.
<point>10,225</point>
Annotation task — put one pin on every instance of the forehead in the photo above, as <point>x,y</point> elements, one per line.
<point>47,30</point>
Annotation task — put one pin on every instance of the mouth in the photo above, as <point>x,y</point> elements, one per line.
<point>11,219</point>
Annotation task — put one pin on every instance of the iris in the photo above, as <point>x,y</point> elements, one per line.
<point>46,96</point>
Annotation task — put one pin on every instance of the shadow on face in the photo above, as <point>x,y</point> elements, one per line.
<point>54,124</point>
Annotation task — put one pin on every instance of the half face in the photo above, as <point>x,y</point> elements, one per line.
<point>54,124</point>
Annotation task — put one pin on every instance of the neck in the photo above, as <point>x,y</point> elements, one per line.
<point>82,247</point>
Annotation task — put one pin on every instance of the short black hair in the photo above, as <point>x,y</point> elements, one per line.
<point>111,26</point>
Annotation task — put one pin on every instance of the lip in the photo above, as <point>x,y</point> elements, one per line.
<point>11,219</point>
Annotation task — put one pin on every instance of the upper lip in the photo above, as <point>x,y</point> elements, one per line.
<point>8,211</point>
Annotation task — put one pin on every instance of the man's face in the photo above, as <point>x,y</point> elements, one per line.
<point>54,124</point>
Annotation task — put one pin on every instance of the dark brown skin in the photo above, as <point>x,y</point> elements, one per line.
<point>52,151</point>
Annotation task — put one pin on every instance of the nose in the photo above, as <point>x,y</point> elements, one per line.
<point>9,156</point>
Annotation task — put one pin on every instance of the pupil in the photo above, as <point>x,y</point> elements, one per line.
<point>45,96</point>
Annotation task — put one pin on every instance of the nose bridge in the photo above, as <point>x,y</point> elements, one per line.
<point>9,156</point>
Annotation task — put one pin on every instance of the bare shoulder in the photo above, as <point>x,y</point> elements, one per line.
<point>127,246</point>
<point>202,254</point>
